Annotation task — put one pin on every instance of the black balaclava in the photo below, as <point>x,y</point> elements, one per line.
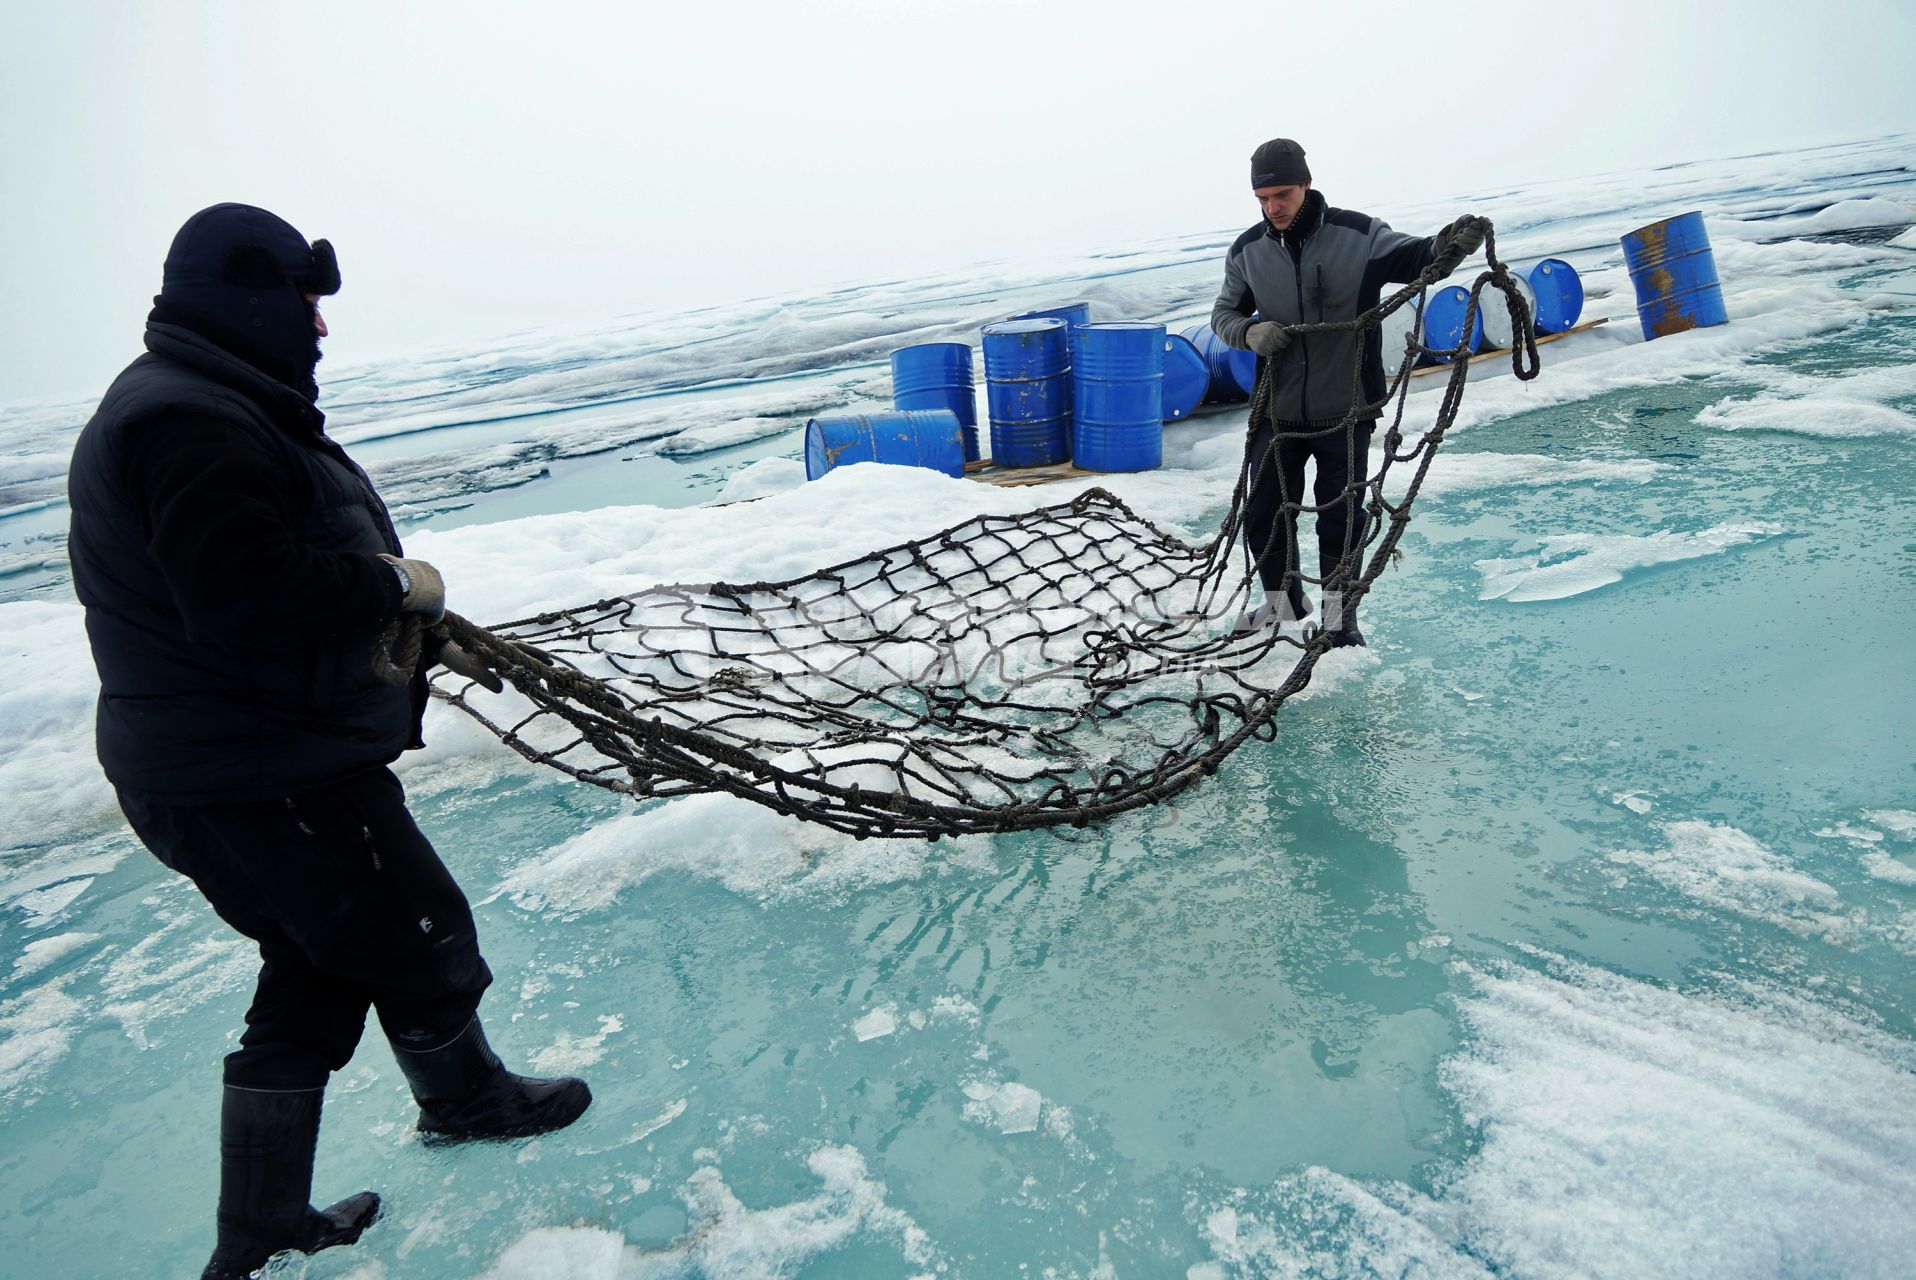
<point>1279,163</point>
<point>238,276</point>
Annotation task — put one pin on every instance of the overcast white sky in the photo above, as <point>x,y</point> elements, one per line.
<point>486,167</point>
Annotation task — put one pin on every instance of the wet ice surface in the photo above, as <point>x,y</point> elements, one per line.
<point>1566,933</point>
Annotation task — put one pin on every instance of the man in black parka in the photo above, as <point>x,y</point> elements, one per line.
<point>1305,262</point>
<point>237,570</point>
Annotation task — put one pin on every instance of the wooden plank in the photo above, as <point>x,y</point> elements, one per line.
<point>1011,477</point>
<point>1501,353</point>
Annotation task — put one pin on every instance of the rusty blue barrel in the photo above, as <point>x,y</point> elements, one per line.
<point>1444,322</point>
<point>1117,400</point>
<point>937,375</point>
<point>1233,372</point>
<point>1028,391</point>
<point>1072,313</point>
<point>1186,376</point>
<point>1559,291</point>
<point>908,438</point>
<point>1674,272</point>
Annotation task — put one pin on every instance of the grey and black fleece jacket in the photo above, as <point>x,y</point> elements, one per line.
<point>1329,265</point>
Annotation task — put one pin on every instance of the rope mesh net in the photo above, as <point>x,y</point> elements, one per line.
<point>1054,667</point>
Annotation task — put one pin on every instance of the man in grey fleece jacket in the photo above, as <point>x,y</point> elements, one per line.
<point>1308,263</point>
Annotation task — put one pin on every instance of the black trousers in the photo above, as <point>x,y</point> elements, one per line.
<point>1277,483</point>
<point>352,909</point>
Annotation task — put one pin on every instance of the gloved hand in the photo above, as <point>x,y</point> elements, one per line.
<point>425,591</point>
<point>459,662</point>
<point>1267,339</point>
<point>1457,241</point>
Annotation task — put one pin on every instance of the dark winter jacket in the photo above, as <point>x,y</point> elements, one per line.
<point>1329,265</point>
<point>225,550</point>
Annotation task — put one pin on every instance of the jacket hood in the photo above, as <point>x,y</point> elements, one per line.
<point>238,276</point>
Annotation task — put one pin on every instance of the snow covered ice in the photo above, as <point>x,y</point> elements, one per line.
<point>1567,932</point>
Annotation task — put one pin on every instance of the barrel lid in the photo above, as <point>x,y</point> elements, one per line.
<point>953,347</point>
<point>1037,324</point>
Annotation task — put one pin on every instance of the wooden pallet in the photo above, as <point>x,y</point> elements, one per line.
<point>1502,354</point>
<point>1015,477</point>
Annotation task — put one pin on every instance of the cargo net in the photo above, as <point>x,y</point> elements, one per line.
<point>1050,668</point>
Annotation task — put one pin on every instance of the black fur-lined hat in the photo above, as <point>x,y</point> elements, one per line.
<point>238,276</point>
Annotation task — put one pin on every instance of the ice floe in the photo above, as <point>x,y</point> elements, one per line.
<point>1569,564</point>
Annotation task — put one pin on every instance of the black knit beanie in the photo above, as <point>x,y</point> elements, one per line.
<point>1279,163</point>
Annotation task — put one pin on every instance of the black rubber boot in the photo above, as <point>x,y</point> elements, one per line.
<point>1341,616</point>
<point>464,1093</point>
<point>1279,608</point>
<point>1300,603</point>
<point>267,1140</point>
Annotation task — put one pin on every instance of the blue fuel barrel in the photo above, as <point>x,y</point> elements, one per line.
<point>1675,276</point>
<point>1117,396</point>
<point>1559,293</point>
<point>1028,391</point>
<point>1186,375</point>
<point>1444,322</point>
<point>1072,313</point>
<point>907,438</point>
<point>1233,372</point>
<point>937,375</point>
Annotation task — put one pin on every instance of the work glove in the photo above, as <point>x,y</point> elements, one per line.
<point>425,591</point>
<point>1457,241</point>
<point>1267,339</point>
<point>456,660</point>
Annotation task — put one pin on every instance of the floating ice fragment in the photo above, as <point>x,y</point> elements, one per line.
<point>724,435</point>
<point>35,1032</point>
<point>1572,563</point>
<point>41,952</point>
<point>1883,867</point>
<point>955,1007</point>
<point>1460,472</point>
<point>641,1132</point>
<point>562,1253</point>
<point>879,1022</point>
<point>729,1241</point>
<point>1720,866</point>
<point>1011,1107</point>
<point>1826,416</point>
<point>572,1053</point>
<point>1899,822</point>
<point>42,905</point>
